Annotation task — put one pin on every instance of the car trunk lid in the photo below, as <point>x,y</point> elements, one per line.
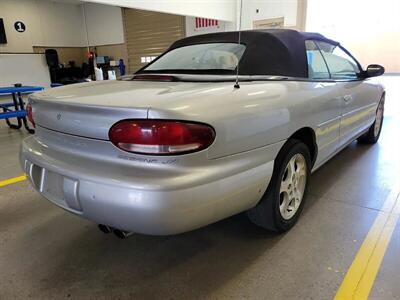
<point>87,110</point>
<point>90,109</point>
<point>82,120</point>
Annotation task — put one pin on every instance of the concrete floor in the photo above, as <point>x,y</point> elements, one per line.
<point>46,253</point>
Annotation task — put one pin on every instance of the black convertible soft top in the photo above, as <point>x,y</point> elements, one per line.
<point>268,52</point>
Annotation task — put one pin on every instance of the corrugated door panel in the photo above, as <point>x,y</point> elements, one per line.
<point>149,34</point>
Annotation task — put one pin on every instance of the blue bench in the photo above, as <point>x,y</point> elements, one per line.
<point>16,109</point>
<point>13,114</point>
<point>9,104</point>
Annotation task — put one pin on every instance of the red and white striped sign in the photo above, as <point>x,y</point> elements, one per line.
<point>203,22</point>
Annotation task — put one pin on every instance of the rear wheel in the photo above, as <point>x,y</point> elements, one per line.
<point>283,201</point>
<point>373,133</point>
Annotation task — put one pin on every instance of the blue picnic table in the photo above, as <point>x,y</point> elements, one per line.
<point>16,109</point>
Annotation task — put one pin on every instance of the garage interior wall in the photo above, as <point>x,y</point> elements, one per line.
<point>104,24</point>
<point>149,34</point>
<point>293,12</point>
<point>65,54</point>
<point>62,26</point>
<point>79,54</point>
<point>214,9</point>
<point>370,31</point>
<point>253,10</point>
<point>55,24</point>
<point>47,24</point>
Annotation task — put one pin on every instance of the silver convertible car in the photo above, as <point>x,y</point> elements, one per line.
<point>210,128</point>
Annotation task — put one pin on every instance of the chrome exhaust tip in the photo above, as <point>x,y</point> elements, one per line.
<point>104,228</point>
<point>122,234</point>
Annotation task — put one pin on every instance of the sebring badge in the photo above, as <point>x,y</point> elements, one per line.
<point>58,116</point>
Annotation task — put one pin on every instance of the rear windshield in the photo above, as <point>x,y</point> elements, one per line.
<point>213,57</point>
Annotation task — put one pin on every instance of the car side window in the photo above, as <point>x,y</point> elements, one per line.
<point>341,65</point>
<point>317,68</point>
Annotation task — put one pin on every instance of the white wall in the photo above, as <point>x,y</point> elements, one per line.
<point>60,24</point>
<point>212,9</point>
<point>56,24</point>
<point>31,70</point>
<point>369,29</point>
<point>25,11</point>
<point>268,9</point>
<point>47,24</point>
<point>104,24</point>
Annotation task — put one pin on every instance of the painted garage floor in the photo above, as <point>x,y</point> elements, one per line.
<point>46,253</point>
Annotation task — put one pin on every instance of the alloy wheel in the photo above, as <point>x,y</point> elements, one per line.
<point>292,187</point>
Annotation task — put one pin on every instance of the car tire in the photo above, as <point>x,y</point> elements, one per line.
<point>283,201</point>
<point>374,132</point>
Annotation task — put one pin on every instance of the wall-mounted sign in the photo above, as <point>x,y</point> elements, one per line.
<point>202,23</point>
<point>147,59</point>
<point>19,26</point>
<point>269,23</point>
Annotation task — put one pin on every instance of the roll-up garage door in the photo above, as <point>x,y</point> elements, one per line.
<point>148,34</point>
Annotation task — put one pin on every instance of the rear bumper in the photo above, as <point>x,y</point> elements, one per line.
<point>158,206</point>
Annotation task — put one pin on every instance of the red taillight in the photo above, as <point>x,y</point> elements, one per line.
<point>161,137</point>
<point>30,114</point>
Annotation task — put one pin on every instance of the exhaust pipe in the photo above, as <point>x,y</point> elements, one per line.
<point>104,228</point>
<point>122,234</point>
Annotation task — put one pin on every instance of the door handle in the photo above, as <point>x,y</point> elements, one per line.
<point>347,98</point>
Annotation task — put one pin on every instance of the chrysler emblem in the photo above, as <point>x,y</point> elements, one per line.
<point>58,116</point>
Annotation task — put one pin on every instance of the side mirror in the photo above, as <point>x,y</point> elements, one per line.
<point>374,70</point>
